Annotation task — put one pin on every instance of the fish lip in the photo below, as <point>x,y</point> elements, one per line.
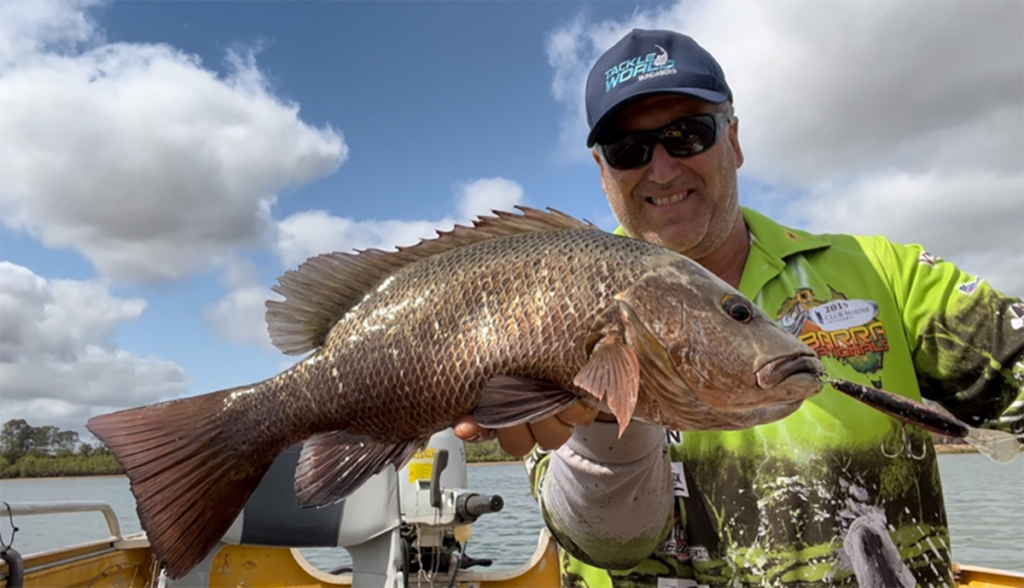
<point>779,369</point>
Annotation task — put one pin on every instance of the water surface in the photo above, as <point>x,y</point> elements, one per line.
<point>985,503</point>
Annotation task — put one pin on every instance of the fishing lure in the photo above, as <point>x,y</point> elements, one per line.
<point>998,446</point>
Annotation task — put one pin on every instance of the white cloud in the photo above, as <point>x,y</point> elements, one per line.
<point>136,155</point>
<point>312,232</point>
<point>239,315</point>
<point>58,362</point>
<point>958,216</point>
<point>484,195</point>
<point>865,108</point>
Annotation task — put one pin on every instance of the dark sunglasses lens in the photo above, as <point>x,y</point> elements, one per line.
<point>626,153</point>
<point>690,137</point>
<point>684,138</point>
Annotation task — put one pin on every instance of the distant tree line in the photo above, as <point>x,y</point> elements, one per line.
<point>487,451</point>
<point>35,452</point>
<point>944,440</point>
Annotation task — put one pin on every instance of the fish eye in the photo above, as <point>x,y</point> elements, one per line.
<point>738,309</point>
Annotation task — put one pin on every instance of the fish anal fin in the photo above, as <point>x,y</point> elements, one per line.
<point>612,375</point>
<point>188,471</point>
<point>511,400</point>
<point>335,464</point>
<point>326,286</point>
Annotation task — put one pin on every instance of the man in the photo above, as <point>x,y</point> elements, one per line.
<point>835,494</point>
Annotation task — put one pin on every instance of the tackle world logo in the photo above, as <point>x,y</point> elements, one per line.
<point>844,329</point>
<point>641,67</point>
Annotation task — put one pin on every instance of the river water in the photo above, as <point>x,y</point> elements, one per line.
<point>985,502</point>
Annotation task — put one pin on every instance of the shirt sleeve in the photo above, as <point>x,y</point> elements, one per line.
<point>967,337</point>
<point>607,501</point>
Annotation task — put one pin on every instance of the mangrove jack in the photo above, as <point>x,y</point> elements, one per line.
<point>511,320</point>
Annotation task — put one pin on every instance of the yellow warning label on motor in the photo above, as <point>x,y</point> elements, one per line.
<point>427,453</point>
<point>422,464</point>
<point>420,471</point>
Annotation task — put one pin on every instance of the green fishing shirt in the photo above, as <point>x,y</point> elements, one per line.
<point>801,501</point>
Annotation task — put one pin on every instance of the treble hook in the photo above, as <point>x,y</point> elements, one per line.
<point>910,450</point>
<point>906,446</point>
<point>896,453</point>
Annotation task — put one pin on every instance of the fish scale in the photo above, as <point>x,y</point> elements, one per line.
<point>540,313</point>
<point>511,321</point>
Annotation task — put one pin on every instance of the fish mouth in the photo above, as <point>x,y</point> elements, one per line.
<point>803,366</point>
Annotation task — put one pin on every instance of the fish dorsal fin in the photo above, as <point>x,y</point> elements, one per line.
<point>326,286</point>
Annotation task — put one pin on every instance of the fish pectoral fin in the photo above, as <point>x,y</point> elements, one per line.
<point>613,376</point>
<point>511,400</point>
<point>661,380</point>
<point>335,464</point>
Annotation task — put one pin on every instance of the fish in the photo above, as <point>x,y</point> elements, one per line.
<point>511,320</point>
<point>999,446</point>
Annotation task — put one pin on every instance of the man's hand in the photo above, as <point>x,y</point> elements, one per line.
<point>519,440</point>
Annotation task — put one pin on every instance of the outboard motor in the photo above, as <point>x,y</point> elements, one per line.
<point>438,509</point>
<point>398,525</point>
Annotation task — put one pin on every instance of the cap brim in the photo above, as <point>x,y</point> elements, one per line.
<point>699,93</point>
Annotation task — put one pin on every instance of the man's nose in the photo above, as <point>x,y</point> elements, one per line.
<point>663,168</point>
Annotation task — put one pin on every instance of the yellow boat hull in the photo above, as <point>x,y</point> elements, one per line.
<point>128,563</point>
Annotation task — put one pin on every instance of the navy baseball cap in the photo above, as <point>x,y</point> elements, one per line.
<point>644,63</point>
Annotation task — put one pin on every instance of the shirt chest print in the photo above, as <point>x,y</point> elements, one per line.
<point>835,326</point>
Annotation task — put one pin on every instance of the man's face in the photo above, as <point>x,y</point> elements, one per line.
<point>686,204</point>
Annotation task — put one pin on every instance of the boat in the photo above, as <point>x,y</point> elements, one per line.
<point>404,528</point>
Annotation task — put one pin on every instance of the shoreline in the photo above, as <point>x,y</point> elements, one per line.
<point>943,449</point>
<point>44,478</point>
<point>950,449</point>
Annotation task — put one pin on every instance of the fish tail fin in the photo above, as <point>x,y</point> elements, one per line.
<point>998,446</point>
<point>191,468</point>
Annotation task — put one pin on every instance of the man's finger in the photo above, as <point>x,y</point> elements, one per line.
<point>551,433</point>
<point>577,415</point>
<point>471,431</point>
<point>517,440</point>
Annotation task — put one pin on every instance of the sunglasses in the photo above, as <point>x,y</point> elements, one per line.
<point>685,137</point>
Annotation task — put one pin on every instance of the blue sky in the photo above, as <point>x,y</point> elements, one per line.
<point>424,95</point>
<point>166,161</point>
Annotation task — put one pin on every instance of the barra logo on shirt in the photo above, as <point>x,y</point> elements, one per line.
<point>837,327</point>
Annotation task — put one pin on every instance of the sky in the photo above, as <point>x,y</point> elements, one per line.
<point>162,163</point>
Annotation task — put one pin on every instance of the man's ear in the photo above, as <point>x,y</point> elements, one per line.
<point>601,167</point>
<point>734,141</point>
